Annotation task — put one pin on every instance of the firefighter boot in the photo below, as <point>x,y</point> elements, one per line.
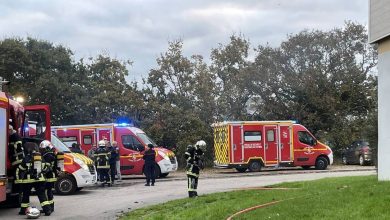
<point>52,207</point>
<point>191,194</point>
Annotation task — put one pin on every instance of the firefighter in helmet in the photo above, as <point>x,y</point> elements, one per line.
<point>49,169</point>
<point>15,154</point>
<point>193,156</point>
<point>102,157</point>
<point>29,175</point>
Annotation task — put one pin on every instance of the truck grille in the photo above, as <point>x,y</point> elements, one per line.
<point>91,169</point>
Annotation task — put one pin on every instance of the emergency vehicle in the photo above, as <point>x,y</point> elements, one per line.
<point>131,142</point>
<point>32,123</point>
<point>255,144</point>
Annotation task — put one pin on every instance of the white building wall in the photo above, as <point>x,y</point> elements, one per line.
<point>384,116</point>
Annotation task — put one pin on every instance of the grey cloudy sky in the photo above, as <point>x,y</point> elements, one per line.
<point>139,30</point>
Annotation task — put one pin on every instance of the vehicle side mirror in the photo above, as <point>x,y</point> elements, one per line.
<point>140,148</point>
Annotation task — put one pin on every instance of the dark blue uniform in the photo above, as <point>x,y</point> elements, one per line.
<point>49,169</point>
<point>150,163</point>
<point>114,151</point>
<point>194,164</point>
<point>102,156</point>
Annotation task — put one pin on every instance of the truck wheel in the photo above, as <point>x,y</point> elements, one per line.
<point>241,169</point>
<point>344,160</point>
<point>65,185</point>
<point>255,166</point>
<point>164,175</point>
<point>321,163</point>
<point>361,160</point>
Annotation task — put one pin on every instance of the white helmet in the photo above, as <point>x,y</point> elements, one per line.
<point>102,143</point>
<point>201,143</point>
<point>32,213</point>
<point>45,144</point>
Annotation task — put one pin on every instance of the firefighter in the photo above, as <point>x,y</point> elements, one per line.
<point>15,148</point>
<point>150,163</point>
<point>15,154</point>
<point>193,156</point>
<point>49,169</point>
<point>114,156</point>
<point>102,156</point>
<point>29,175</point>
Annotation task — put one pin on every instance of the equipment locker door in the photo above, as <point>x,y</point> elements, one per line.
<point>104,134</point>
<point>285,144</point>
<point>271,144</point>
<point>238,151</point>
<point>86,140</point>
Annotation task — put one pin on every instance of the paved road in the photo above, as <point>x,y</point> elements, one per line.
<point>107,203</point>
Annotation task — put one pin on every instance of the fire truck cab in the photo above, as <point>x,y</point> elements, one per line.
<point>131,142</point>
<point>255,144</point>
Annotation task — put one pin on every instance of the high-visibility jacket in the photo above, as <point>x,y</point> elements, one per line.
<point>102,158</point>
<point>193,158</point>
<point>49,166</point>
<point>27,172</point>
<point>15,150</point>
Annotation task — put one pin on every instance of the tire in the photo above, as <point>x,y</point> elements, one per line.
<point>255,166</point>
<point>321,163</point>
<point>241,169</point>
<point>361,160</point>
<point>65,185</point>
<point>344,160</point>
<point>163,175</point>
<point>306,167</point>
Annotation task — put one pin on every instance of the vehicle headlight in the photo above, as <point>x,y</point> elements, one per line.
<point>165,156</point>
<point>81,163</point>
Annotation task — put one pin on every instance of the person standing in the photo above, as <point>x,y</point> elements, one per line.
<point>117,162</point>
<point>150,163</point>
<point>114,151</point>
<point>102,156</point>
<point>29,175</point>
<point>193,156</point>
<point>49,169</point>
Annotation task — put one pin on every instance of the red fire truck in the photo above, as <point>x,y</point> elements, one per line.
<point>33,124</point>
<point>131,142</point>
<point>255,144</point>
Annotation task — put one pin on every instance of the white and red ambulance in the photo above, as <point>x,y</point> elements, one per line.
<point>255,144</point>
<point>131,142</point>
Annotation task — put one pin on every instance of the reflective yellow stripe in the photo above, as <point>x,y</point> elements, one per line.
<point>103,167</point>
<point>37,158</point>
<point>51,179</point>
<point>50,201</point>
<point>45,203</point>
<point>24,205</point>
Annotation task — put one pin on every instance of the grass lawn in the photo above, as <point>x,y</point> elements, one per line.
<point>332,198</point>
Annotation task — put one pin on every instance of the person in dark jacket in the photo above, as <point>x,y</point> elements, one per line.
<point>102,157</point>
<point>193,156</point>
<point>150,163</point>
<point>49,169</point>
<point>29,175</point>
<point>114,150</point>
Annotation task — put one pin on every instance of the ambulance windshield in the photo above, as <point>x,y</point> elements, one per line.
<point>146,139</point>
<point>59,145</point>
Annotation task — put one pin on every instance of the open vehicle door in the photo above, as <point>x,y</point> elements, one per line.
<point>36,123</point>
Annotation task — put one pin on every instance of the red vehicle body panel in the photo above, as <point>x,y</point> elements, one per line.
<point>131,161</point>
<point>274,143</point>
